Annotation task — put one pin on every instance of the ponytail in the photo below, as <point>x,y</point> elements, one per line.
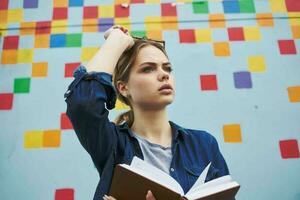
<point>127,116</point>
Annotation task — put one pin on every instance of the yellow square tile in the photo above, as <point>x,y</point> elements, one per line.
<point>59,26</point>
<point>296,32</point>
<point>169,23</point>
<point>203,35</point>
<point>106,11</point>
<point>39,69</point>
<point>27,28</point>
<point>33,139</point>
<point>277,5</point>
<point>42,41</point>
<point>60,3</point>
<point>252,33</point>
<point>51,138</point>
<point>122,1</point>
<point>155,35</point>
<point>90,25</point>
<point>294,94</point>
<point>88,52</point>
<point>121,106</point>
<point>15,15</point>
<point>153,23</point>
<point>221,49</point>
<point>256,64</point>
<point>3,16</point>
<point>294,18</point>
<point>25,56</point>
<point>265,19</point>
<point>216,20</point>
<point>125,22</point>
<point>232,133</point>
<point>9,56</point>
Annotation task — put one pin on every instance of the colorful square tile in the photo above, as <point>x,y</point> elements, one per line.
<point>39,69</point>
<point>64,194</point>
<point>57,40</point>
<point>208,82</point>
<point>60,13</point>
<point>289,148</point>
<point>9,56</point>
<point>232,133</point>
<point>287,47</point>
<point>30,3</point>
<point>187,36</point>
<point>121,11</point>
<point>33,139</point>
<point>90,12</point>
<point>6,101</point>
<point>21,85</point>
<point>11,42</point>
<point>168,9</point>
<point>51,138</point>
<point>69,69</point>
<point>294,94</point>
<point>242,80</point>
<point>221,49</point>
<point>236,34</point>
<point>256,64</point>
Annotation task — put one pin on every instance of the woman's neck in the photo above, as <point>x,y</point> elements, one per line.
<point>153,125</point>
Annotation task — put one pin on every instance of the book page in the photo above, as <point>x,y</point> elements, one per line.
<point>211,184</point>
<point>141,167</point>
<point>206,191</point>
<point>200,180</point>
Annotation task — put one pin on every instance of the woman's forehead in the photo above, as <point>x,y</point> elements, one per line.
<point>150,54</point>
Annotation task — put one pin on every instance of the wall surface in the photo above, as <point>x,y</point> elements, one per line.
<point>237,70</point>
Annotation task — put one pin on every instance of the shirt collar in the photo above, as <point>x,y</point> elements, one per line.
<point>176,130</point>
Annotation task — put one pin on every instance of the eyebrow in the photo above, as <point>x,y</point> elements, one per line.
<point>153,63</point>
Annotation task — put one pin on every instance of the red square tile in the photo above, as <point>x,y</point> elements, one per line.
<point>287,47</point>
<point>6,101</point>
<point>168,9</point>
<point>64,194</point>
<point>289,149</point>
<point>43,27</point>
<point>69,69</point>
<point>137,1</point>
<point>292,5</point>
<point>121,11</point>
<point>236,34</point>
<point>3,4</point>
<point>90,12</point>
<point>65,122</point>
<point>60,13</point>
<point>11,42</point>
<point>208,82</point>
<point>187,36</point>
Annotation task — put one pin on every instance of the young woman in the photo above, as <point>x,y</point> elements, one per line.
<point>142,79</point>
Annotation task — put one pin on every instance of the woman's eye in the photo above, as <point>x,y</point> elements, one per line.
<point>148,69</point>
<point>169,69</point>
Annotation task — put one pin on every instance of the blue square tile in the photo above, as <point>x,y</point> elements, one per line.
<point>30,4</point>
<point>231,6</point>
<point>242,80</point>
<point>74,3</point>
<point>58,40</point>
<point>105,23</point>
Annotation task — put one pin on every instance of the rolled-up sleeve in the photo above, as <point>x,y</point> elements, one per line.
<point>88,99</point>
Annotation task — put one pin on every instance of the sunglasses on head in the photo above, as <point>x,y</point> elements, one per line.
<point>162,42</point>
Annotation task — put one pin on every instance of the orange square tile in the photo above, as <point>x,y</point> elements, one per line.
<point>90,25</point>
<point>42,41</point>
<point>9,56</point>
<point>169,23</point>
<point>216,20</point>
<point>265,19</point>
<point>155,35</point>
<point>221,49</point>
<point>39,69</point>
<point>27,28</point>
<point>296,32</point>
<point>51,138</point>
<point>3,16</point>
<point>294,94</point>
<point>232,133</point>
<point>60,3</point>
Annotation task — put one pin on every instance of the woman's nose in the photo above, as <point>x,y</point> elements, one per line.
<point>163,76</point>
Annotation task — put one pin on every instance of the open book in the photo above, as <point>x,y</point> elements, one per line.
<point>134,180</point>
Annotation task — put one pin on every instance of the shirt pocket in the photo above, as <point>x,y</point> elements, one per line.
<point>193,172</point>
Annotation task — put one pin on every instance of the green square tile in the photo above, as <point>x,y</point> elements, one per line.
<point>200,7</point>
<point>74,40</point>
<point>22,85</point>
<point>247,6</point>
<point>138,33</point>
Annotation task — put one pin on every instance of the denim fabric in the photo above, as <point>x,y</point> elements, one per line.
<point>88,99</point>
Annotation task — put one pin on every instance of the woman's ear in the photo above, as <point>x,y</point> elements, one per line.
<point>122,88</point>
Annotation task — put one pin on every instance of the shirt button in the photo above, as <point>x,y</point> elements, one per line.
<point>172,169</point>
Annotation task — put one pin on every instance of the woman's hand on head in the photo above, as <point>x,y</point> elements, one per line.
<point>149,196</point>
<point>119,32</point>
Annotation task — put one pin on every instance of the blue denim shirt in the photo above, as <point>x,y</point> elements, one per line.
<point>91,95</point>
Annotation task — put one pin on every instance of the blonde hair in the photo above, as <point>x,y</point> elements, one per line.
<point>122,73</point>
